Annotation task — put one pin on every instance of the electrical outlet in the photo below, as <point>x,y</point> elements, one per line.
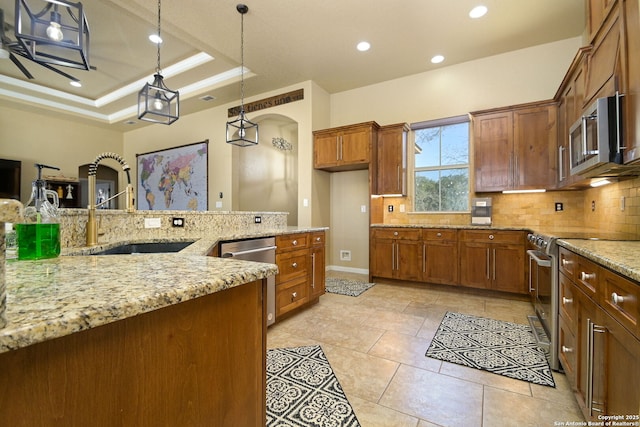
<point>390,208</point>
<point>177,222</point>
<point>559,207</point>
<point>345,255</point>
<point>257,220</point>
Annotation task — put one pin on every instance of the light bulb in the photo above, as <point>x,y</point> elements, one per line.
<point>158,105</point>
<point>242,132</point>
<point>54,32</point>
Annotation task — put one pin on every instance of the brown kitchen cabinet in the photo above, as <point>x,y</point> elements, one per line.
<point>493,260</point>
<point>571,103</point>
<point>396,253</point>
<point>515,147</point>
<point>344,148</point>
<point>440,255</point>
<point>202,360</point>
<point>301,263</point>
<point>317,283</point>
<point>391,171</point>
<point>599,336</point>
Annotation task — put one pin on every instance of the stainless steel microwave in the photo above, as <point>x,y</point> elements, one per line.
<point>595,139</point>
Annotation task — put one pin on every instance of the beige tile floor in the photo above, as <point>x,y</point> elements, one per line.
<point>376,344</point>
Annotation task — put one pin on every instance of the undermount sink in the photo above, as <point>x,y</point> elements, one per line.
<point>144,248</point>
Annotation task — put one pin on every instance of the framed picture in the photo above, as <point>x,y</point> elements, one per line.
<point>174,179</point>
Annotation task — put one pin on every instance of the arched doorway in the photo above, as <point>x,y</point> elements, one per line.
<point>106,185</point>
<point>266,175</point>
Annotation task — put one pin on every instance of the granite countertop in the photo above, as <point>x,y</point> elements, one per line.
<point>454,227</point>
<point>47,299</point>
<point>619,256</point>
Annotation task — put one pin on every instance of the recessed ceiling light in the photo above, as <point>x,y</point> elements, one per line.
<point>363,46</point>
<point>75,83</point>
<point>437,59</point>
<point>155,38</point>
<point>478,12</point>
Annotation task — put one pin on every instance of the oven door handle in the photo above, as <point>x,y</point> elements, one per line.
<point>540,258</point>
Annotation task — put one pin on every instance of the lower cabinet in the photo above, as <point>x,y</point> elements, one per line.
<point>397,253</point>
<point>478,258</point>
<point>599,345</point>
<point>301,270</point>
<point>493,260</point>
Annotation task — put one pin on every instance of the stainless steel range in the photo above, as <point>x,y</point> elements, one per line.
<point>543,288</point>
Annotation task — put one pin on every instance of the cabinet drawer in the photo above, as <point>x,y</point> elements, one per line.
<point>287,242</point>
<point>398,233</point>
<point>292,265</point>
<point>567,302</point>
<point>620,299</point>
<point>291,295</point>
<point>587,275</point>
<point>566,263</point>
<point>318,238</point>
<point>439,234</point>
<point>567,351</point>
<point>491,236</point>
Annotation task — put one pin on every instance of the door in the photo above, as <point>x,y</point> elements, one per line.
<point>355,146</point>
<point>408,260</point>
<point>325,150</point>
<point>438,266</point>
<point>383,258</point>
<point>474,264</point>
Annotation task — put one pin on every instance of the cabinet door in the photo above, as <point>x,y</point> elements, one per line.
<point>631,108</point>
<point>474,264</point>
<point>325,150</point>
<point>408,260</point>
<point>621,369</point>
<point>317,271</point>
<point>383,255</point>
<point>438,265</point>
<point>567,351</point>
<point>392,160</point>
<point>507,268</point>
<point>493,146</point>
<point>534,147</point>
<point>587,376</point>
<point>355,146</point>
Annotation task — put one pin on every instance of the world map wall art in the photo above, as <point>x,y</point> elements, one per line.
<point>174,179</point>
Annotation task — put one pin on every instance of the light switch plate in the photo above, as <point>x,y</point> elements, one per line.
<point>152,223</point>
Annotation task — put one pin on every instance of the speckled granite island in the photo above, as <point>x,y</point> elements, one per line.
<point>134,340</point>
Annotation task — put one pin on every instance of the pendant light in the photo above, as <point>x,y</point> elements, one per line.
<point>156,102</point>
<point>56,35</point>
<point>241,131</point>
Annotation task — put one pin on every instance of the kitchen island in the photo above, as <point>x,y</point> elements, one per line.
<point>140,340</point>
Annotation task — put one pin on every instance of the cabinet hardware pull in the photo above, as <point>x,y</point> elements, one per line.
<point>531,288</point>
<point>616,299</point>
<point>294,265</point>
<point>313,271</point>
<point>395,233</point>
<point>294,243</point>
<point>587,276</point>
<point>491,237</point>
<point>565,262</point>
<point>318,239</point>
<point>561,163</point>
<point>592,328</point>
<point>488,277</point>
<point>566,300</point>
<point>424,257</point>
<point>294,296</point>
<point>439,235</point>
<point>566,349</point>
<point>494,264</point>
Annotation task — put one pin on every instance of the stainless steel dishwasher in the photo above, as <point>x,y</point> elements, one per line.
<point>259,250</point>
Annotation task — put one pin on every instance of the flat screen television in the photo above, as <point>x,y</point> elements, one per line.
<point>10,179</point>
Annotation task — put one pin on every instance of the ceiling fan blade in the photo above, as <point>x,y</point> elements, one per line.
<point>26,72</point>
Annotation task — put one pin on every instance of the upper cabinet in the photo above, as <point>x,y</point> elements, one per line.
<point>391,170</point>
<point>515,147</point>
<point>571,100</point>
<point>344,148</point>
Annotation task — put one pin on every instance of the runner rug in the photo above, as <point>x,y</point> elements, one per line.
<point>348,287</point>
<point>302,390</point>
<point>499,347</point>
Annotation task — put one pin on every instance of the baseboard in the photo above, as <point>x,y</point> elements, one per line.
<point>348,269</point>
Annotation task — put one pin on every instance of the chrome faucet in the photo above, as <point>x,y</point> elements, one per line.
<point>92,226</point>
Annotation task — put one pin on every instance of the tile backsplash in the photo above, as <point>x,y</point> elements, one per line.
<point>538,210</point>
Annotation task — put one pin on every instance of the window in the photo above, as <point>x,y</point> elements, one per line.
<point>441,165</point>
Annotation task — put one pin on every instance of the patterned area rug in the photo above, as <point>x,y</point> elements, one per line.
<point>302,390</point>
<point>503,348</point>
<point>348,287</point>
